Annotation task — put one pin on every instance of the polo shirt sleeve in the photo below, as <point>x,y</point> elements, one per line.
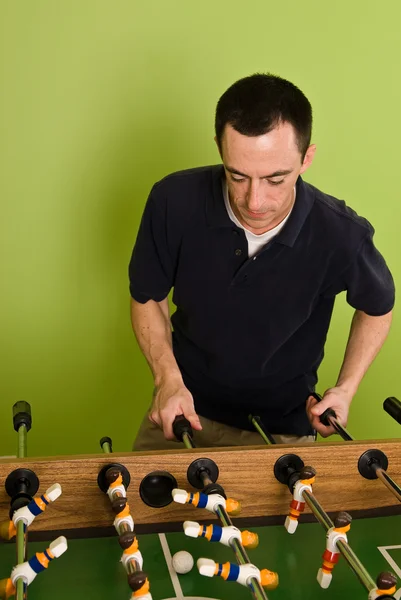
<point>151,266</point>
<point>368,281</point>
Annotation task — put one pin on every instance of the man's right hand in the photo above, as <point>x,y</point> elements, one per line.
<point>172,398</point>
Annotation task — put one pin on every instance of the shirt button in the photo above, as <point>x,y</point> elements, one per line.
<point>238,252</point>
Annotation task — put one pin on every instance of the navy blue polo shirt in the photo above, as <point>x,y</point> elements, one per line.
<point>249,334</point>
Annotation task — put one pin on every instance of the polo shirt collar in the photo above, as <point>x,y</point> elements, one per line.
<point>216,213</point>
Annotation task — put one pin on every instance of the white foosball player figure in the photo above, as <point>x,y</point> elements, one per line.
<point>28,570</point>
<point>297,506</point>
<point>209,502</point>
<point>28,513</point>
<point>224,535</point>
<point>242,574</point>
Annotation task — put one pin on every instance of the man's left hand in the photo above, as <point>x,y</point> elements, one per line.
<point>337,399</point>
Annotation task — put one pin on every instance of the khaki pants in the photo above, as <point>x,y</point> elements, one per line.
<point>150,437</point>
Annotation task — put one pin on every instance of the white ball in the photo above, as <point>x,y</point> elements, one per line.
<point>182,562</point>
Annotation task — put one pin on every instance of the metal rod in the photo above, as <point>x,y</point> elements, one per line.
<point>22,535</point>
<point>388,482</point>
<point>132,566</point>
<point>239,551</point>
<point>356,566</point>
<point>22,441</point>
<point>106,448</point>
<point>21,588</point>
<point>187,440</point>
<point>343,547</point>
<point>260,428</point>
<point>241,555</point>
<point>21,550</point>
<point>317,509</point>
<point>21,557</point>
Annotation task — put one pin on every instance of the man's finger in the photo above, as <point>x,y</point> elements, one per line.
<point>167,425</point>
<point>167,419</point>
<point>323,430</point>
<point>193,419</point>
<point>319,408</point>
<point>155,418</point>
<point>311,401</point>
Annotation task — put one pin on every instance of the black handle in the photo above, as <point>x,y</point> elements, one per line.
<point>329,412</point>
<point>106,440</point>
<point>22,415</point>
<point>392,406</point>
<point>181,425</point>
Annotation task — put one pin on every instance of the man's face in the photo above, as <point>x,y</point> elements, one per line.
<point>261,173</point>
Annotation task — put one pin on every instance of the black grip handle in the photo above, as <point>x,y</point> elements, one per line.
<point>181,425</point>
<point>22,415</point>
<point>106,440</point>
<point>392,406</point>
<point>329,412</point>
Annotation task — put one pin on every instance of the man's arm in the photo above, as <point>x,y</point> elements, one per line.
<point>151,325</point>
<point>366,337</point>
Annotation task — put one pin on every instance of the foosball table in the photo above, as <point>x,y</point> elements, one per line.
<point>318,520</point>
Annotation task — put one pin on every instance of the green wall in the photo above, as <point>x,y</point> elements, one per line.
<point>98,100</point>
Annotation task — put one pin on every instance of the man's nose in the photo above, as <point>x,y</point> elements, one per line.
<point>254,200</point>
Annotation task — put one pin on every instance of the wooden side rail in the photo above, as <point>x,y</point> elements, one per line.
<point>246,473</point>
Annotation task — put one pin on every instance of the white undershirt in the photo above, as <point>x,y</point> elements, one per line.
<point>255,241</point>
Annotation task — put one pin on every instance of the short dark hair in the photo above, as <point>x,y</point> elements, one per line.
<point>256,104</point>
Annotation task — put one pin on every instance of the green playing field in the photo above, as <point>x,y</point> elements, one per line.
<point>91,567</point>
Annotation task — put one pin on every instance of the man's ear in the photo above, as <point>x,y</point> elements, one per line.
<point>309,156</point>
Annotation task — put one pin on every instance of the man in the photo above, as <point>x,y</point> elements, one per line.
<point>256,257</point>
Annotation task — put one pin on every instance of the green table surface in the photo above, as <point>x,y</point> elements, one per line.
<point>91,568</point>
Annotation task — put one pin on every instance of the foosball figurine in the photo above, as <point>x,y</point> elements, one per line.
<point>139,585</point>
<point>116,486</point>
<point>239,573</point>
<point>297,506</point>
<point>130,546</point>
<point>208,502</point>
<point>386,586</point>
<point>215,501</point>
<point>342,524</point>
<point>28,513</point>
<point>28,570</point>
<point>120,507</point>
<point>224,535</point>
<point>114,480</point>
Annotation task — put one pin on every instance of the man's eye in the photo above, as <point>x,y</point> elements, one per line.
<point>275,182</point>
<point>237,179</point>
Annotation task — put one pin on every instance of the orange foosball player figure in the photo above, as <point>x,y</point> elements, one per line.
<point>139,585</point>
<point>122,511</point>
<point>386,586</point>
<point>116,486</point>
<point>342,524</point>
